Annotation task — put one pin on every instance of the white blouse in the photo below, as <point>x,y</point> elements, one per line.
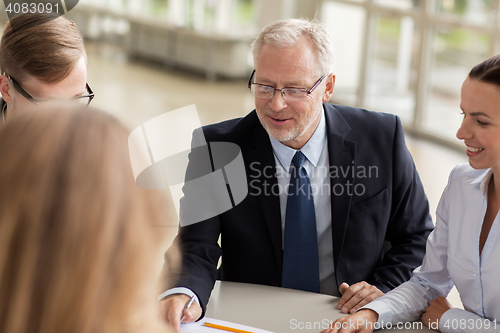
<point>452,258</point>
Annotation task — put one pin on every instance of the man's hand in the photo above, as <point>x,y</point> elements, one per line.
<point>356,296</point>
<point>434,311</point>
<point>171,310</point>
<point>362,321</point>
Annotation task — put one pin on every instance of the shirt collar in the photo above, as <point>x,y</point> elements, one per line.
<point>312,149</point>
<point>483,179</point>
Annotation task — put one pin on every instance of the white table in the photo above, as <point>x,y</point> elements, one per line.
<point>277,309</point>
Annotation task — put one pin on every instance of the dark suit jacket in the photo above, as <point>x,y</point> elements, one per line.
<point>389,206</point>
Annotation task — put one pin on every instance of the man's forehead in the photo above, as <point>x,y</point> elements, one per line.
<point>294,63</point>
<point>299,48</point>
<point>72,86</point>
<point>297,75</point>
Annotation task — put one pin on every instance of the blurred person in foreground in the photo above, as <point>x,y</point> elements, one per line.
<point>464,249</point>
<point>335,228</point>
<point>42,58</point>
<point>77,250</point>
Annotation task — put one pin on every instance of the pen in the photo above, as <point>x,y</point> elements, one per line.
<point>188,304</point>
<point>225,328</point>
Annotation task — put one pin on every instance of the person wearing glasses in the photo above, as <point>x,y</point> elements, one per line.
<point>42,58</point>
<point>334,205</point>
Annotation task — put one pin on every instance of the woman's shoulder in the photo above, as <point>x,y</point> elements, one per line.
<point>465,173</point>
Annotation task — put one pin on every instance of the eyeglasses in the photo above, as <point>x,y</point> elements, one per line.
<point>84,100</point>
<point>288,94</point>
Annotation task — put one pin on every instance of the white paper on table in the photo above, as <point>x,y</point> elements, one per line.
<point>198,327</point>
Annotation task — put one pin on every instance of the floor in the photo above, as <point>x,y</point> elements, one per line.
<point>136,90</point>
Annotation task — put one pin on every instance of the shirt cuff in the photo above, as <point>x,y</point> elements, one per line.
<point>383,311</point>
<point>179,290</point>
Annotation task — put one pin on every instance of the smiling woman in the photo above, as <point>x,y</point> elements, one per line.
<point>480,104</point>
<point>464,249</point>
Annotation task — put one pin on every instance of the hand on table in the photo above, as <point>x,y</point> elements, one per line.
<point>356,296</point>
<point>362,321</point>
<point>434,311</point>
<point>171,310</point>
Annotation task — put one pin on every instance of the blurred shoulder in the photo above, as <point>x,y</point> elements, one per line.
<point>232,130</point>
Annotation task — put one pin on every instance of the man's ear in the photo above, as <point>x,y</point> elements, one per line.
<point>330,84</point>
<point>5,89</point>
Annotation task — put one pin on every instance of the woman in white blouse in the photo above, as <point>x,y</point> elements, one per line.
<point>464,249</point>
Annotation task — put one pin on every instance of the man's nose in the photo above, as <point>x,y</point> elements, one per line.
<point>277,102</point>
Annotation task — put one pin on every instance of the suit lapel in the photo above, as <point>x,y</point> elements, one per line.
<point>259,161</point>
<point>341,153</point>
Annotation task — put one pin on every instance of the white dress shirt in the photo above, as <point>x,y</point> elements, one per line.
<point>317,168</point>
<point>452,258</point>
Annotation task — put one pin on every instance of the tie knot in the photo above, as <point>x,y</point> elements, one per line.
<point>298,159</point>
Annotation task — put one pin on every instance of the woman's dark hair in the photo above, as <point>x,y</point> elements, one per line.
<point>488,71</point>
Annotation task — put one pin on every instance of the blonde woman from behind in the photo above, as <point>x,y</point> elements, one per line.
<point>77,250</point>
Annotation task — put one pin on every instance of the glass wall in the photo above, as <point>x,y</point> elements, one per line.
<point>454,52</point>
<point>206,15</point>
<point>476,11</point>
<point>340,18</point>
<point>414,56</point>
<point>402,4</point>
<point>392,80</point>
<point>407,57</point>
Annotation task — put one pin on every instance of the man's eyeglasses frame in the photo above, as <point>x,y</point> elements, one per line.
<point>30,98</point>
<point>284,89</point>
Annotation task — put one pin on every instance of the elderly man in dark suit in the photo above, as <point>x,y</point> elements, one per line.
<point>335,204</point>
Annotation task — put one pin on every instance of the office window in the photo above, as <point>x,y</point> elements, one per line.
<point>245,14</point>
<point>391,80</point>
<point>223,16</point>
<point>403,4</point>
<point>477,11</point>
<point>408,57</point>
<point>226,16</point>
<point>455,51</point>
<point>414,56</point>
<point>339,19</point>
<point>156,8</point>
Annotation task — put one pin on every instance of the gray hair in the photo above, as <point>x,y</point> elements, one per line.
<point>286,33</point>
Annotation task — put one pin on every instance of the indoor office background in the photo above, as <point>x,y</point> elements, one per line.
<point>407,57</point>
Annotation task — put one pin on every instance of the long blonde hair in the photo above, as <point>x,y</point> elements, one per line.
<point>76,242</point>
